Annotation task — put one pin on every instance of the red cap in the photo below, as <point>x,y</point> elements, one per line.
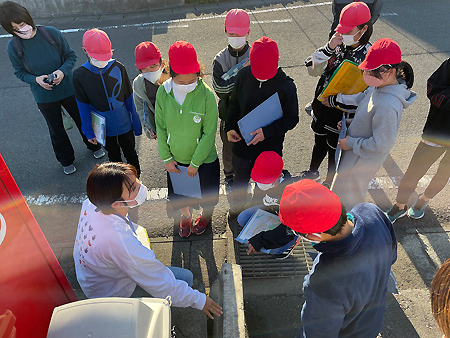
<point>97,44</point>
<point>237,21</point>
<point>352,15</point>
<point>146,54</point>
<point>382,52</point>
<point>183,58</point>
<point>307,207</point>
<point>264,57</point>
<point>267,168</point>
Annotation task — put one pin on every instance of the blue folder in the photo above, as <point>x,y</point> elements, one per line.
<point>263,115</point>
<point>342,134</point>
<point>184,185</point>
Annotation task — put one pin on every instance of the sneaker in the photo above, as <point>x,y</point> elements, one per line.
<point>185,226</point>
<point>308,108</point>
<point>201,223</point>
<point>417,210</point>
<point>395,213</point>
<point>312,175</point>
<point>99,153</point>
<point>326,185</point>
<point>288,251</point>
<point>70,169</point>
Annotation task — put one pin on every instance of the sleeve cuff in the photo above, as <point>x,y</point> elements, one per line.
<point>168,160</point>
<point>194,165</point>
<point>350,142</point>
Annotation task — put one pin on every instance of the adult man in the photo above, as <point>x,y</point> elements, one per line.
<point>110,260</point>
<point>346,289</point>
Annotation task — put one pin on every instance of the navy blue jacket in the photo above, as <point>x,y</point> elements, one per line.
<point>107,92</point>
<point>345,292</point>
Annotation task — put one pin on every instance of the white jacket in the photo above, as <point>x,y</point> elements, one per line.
<point>110,261</point>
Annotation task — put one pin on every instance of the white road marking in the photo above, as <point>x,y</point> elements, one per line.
<point>161,193</point>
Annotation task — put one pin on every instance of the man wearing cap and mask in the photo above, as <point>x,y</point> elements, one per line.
<point>237,29</point>
<point>102,86</point>
<point>345,292</point>
<point>253,86</point>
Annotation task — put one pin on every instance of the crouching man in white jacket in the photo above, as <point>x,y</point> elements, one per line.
<point>110,260</point>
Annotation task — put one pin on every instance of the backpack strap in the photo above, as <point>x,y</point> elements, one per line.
<point>17,45</point>
<point>46,35</point>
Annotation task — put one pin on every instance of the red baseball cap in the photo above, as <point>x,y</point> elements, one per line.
<point>267,168</point>
<point>264,57</point>
<point>237,21</point>
<point>146,54</point>
<point>307,207</point>
<point>183,58</point>
<point>97,44</point>
<point>382,52</point>
<point>352,15</point>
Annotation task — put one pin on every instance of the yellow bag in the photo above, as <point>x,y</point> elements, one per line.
<point>346,79</point>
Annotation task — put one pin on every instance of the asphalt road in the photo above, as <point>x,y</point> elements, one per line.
<point>299,28</point>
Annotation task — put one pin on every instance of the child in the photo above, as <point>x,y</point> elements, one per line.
<point>110,259</point>
<point>37,52</point>
<point>351,42</point>
<point>373,131</point>
<point>237,29</point>
<point>186,125</point>
<point>435,142</point>
<point>253,86</point>
<point>151,66</point>
<point>102,86</point>
<point>440,298</point>
<point>270,180</point>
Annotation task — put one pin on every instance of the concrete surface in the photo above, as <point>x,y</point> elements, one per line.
<point>298,27</point>
<point>227,291</point>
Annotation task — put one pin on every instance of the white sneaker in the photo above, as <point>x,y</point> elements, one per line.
<point>70,169</point>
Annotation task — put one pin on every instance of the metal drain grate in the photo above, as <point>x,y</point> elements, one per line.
<point>261,265</point>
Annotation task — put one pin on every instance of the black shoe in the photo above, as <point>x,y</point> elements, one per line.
<point>312,175</point>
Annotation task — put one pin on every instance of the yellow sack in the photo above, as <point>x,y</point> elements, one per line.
<point>346,79</point>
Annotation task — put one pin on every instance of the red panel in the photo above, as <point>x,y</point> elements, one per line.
<point>32,282</point>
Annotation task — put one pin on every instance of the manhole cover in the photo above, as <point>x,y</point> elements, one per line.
<point>261,265</point>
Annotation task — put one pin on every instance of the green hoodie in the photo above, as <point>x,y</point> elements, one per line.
<point>186,133</point>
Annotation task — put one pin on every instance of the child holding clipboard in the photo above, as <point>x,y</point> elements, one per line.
<point>186,124</point>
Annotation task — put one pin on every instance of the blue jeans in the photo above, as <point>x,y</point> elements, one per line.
<point>182,274</point>
<point>245,215</point>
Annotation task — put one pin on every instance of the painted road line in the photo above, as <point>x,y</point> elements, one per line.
<point>161,193</point>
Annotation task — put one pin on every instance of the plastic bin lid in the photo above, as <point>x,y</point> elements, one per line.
<point>112,317</point>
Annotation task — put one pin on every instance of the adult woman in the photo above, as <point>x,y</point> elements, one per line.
<point>186,123</point>
<point>38,54</point>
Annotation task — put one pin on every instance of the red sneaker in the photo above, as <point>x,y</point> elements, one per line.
<point>185,226</point>
<point>200,224</point>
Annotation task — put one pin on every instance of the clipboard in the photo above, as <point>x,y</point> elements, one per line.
<point>99,127</point>
<point>184,185</point>
<point>346,79</point>
<point>342,134</point>
<point>263,115</point>
<point>148,117</point>
<point>234,70</point>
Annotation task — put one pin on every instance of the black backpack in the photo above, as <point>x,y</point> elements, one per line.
<point>18,47</point>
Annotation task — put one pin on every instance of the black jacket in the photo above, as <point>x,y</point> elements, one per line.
<point>248,93</point>
<point>437,127</point>
<point>281,235</point>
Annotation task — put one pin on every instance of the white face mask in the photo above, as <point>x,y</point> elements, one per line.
<point>153,76</point>
<point>265,187</point>
<point>98,63</point>
<point>140,198</point>
<point>185,88</point>
<point>25,32</point>
<point>237,41</point>
<point>349,40</point>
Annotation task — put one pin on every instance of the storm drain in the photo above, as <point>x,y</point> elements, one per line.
<point>261,265</point>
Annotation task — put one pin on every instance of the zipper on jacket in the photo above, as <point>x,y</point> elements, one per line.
<point>109,103</point>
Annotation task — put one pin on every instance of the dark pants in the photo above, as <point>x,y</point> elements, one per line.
<point>227,151</point>
<point>60,141</point>
<point>422,160</point>
<point>209,176</point>
<point>242,173</point>
<point>127,143</point>
<point>321,148</point>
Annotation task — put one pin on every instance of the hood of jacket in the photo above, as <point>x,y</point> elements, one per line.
<point>405,95</point>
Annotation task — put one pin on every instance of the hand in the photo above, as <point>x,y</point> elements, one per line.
<point>40,82</point>
<point>339,126</point>
<point>251,249</point>
<point>191,171</point>
<point>150,133</point>
<point>259,136</point>
<point>233,136</point>
<point>343,143</point>
<point>171,167</point>
<point>325,101</point>
<point>93,140</point>
<point>335,40</point>
<point>211,307</point>
<point>59,77</point>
